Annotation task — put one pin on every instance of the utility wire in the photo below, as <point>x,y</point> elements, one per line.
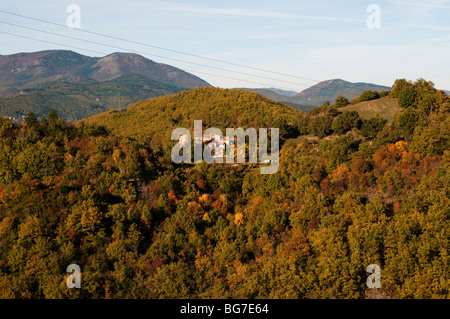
<point>54,43</point>
<point>159,47</point>
<point>150,54</point>
<point>103,53</point>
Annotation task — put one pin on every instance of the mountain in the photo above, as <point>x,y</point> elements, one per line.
<point>75,101</point>
<point>117,64</point>
<point>283,92</point>
<point>319,93</point>
<point>32,70</point>
<point>331,89</point>
<point>285,99</point>
<point>156,118</point>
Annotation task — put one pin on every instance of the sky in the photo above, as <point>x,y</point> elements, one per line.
<point>290,45</point>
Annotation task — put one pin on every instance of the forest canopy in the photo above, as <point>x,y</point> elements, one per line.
<point>350,192</point>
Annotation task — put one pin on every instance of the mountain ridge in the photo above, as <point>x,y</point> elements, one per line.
<point>318,94</point>
<point>34,69</point>
<point>329,90</point>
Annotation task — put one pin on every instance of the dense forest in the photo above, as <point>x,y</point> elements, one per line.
<point>104,194</point>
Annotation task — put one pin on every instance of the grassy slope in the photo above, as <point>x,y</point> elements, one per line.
<point>385,107</point>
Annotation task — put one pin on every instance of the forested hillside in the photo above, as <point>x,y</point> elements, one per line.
<point>154,119</point>
<point>75,101</point>
<point>349,192</point>
<point>319,93</point>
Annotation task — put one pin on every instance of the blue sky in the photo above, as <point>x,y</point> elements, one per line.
<point>317,40</point>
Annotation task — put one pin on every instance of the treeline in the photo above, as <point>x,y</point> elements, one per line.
<point>140,226</point>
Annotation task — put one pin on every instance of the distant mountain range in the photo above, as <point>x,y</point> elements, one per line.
<point>277,96</point>
<point>283,92</point>
<point>320,93</point>
<point>32,70</point>
<point>79,86</point>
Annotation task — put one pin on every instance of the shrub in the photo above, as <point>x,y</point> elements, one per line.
<point>369,95</point>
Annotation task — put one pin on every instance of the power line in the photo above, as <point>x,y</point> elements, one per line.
<point>103,53</point>
<point>160,48</point>
<point>54,43</point>
<point>150,54</point>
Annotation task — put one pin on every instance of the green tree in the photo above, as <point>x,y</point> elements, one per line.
<point>341,101</point>
<point>407,97</point>
<point>371,127</point>
<point>320,126</point>
<point>52,116</point>
<point>398,86</point>
<point>368,96</point>
<point>407,120</point>
<point>31,120</point>
<point>340,150</point>
<point>346,122</point>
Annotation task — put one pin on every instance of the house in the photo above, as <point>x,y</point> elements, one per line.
<point>215,142</point>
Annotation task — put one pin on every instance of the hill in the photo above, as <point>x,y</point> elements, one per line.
<point>283,92</point>
<point>32,70</point>
<point>279,97</point>
<point>117,64</point>
<point>142,227</point>
<point>75,101</point>
<point>317,95</point>
<point>385,107</point>
<point>157,117</point>
<point>331,89</point>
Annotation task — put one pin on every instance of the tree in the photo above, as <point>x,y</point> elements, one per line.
<point>368,95</point>
<point>320,126</point>
<point>340,150</point>
<point>31,120</point>
<point>6,127</point>
<point>407,97</point>
<point>286,130</point>
<point>371,127</point>
<point>346,122</point>
<point>326,104</point>
<point>52,116</point>
<point>398,86</point>
<point>341,101</point>
<point>407,120</point>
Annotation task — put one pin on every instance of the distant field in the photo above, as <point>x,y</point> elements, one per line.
<point>385,107</point>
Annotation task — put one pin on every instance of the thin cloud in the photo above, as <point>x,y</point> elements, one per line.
<point>291,16</point>
<point>421,11</point>
<point>422,4</point>
<point>416,26</point>
<point>256,13</point>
